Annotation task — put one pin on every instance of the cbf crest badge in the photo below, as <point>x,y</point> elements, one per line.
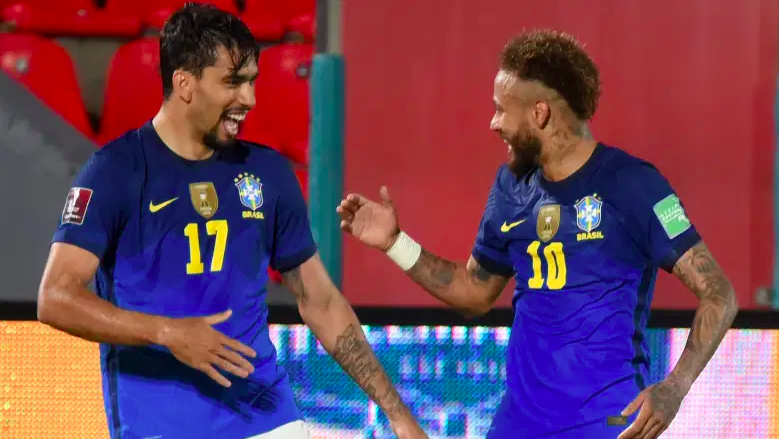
<point>204,198</point>
<point>250,194</point>
<point>588,213</point>
<point>548,222</point>
<point>250,191</point>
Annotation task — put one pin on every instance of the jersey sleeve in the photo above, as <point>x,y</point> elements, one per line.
<point>93,212</point>
<point>662,227</point>
<point>293,241</point>
<point>490,249</point>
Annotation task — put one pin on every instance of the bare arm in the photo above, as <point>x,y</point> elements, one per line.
<point>65,302</point>
<point>698,270</point>
<point>331,318</point>
<point>469,288</point>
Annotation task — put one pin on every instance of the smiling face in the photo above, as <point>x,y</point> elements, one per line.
<point>221,98</point>
<point>513,121</point>
<point>208,64</point>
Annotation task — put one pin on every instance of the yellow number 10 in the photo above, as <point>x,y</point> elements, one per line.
<point>555,260</point>
<point>214,227</point>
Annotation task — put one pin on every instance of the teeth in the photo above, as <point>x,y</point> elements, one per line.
<point>237,117</point>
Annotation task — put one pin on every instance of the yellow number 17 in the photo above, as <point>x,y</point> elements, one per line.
<point>555,261</point>
<point>213,227</point>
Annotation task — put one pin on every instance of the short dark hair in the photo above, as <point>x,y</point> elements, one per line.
<point>191,38</point>
<point>558,61</point>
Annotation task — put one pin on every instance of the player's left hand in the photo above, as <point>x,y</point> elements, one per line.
<point>659,404</point>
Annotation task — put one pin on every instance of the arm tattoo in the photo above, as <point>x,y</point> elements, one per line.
<point>468,288</point>
<point>294,281</point>
<point>480,274</point>
<point>698,270</point>
<point>356,357</point>
<point>432,272</point>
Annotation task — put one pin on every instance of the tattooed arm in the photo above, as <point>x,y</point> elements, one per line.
<point>469,288</point>
<point>333,322</point>
<point>698,270</point>
<point>660,402</point>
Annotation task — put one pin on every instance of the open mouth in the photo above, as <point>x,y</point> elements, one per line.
<point>231,123</point>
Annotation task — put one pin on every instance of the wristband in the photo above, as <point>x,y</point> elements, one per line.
<point>405,251</point>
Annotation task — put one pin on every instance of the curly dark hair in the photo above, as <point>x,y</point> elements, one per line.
<point>191,39</point>
<point>558,61</point>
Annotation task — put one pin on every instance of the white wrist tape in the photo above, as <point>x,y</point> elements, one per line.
<point>405,251</point>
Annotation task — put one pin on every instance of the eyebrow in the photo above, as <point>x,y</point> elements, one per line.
<point>237,77</point>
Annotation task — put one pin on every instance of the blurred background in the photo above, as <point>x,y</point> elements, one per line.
<point>360,93</point>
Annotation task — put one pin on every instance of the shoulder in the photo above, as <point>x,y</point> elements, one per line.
<point>122,154</point>
<point>625,170</point>
<point>258,153</point>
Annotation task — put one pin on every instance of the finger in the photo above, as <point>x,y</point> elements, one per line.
<point>216,376</point>
<point>236,359</point>
<point>650,424</point>
<point>634,431</point>
<point>385,196</point>
<point>654,432</point>
<point>345,214</point>
<point>346,226</point>
<point>238,347</point>
<point>359,200</point>
<point>349,206</point>
<point>229,367</point>
<point>218,318</point>
<point>634,405</point>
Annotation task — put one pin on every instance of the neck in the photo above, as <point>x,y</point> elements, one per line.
<point>179,136</point>
<point>565,155</point>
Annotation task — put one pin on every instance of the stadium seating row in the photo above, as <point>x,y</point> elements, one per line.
<point>133,91</point>
<point>268,19</point>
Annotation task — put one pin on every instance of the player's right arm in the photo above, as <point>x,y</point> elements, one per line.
<point>66,303</point>
<point>91,222</point>
<point>471,288</point>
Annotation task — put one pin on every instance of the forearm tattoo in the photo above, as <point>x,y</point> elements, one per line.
<point>356,357</point>
<point>432,273</point>
<point>698,270</point>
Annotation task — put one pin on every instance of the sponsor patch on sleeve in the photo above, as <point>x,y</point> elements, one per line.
<point>672,217</point>
<point>76,205</point>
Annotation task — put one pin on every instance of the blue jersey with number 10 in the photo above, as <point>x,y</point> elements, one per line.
<point>584,252</point>
<point>184,238</point>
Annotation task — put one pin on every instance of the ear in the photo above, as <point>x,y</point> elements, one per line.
<point>184,84</point>
<point>542,114</point>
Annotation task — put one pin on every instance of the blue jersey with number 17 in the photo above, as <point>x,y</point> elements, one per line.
<point>184,238</point>
<point>585,252</point>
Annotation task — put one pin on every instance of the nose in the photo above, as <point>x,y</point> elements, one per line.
<point>246,96</point>
<point>495,123</point>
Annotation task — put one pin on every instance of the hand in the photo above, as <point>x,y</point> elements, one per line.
<point>195,343</point>
<point>408,429</point>
<point>375,224</point>
<point>659,404</point>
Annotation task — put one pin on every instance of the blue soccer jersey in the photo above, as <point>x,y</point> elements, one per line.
<point>184,238</point>
<point>584,252</point>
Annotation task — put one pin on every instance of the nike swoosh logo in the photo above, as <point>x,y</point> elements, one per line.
<point>156,208</point>
<point>506,227</point>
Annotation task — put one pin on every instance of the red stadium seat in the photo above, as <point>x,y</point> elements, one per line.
<point>264,19</point>
<point>281,117</point>
<point>133,88</point>
<point>66,17</point>
<point>47,71</point>
<point>155,12</point>
<point>275,17</point>
<point>305,25</point>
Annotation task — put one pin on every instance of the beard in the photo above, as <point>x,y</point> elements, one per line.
<point>212,141</point>
<point>525,151</point>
